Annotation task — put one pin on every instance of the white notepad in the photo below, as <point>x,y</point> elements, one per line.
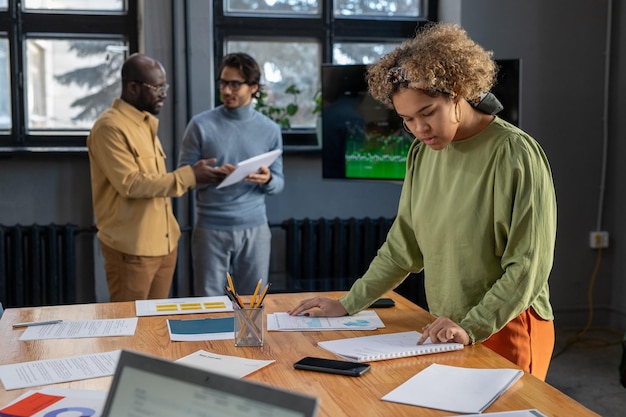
<point>385,346</point>
<point>455,389</point>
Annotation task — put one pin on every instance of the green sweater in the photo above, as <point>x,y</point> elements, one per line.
<point>479,217</point>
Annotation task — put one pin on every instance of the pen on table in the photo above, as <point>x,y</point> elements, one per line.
<point>36,323</point>
<point>256,293</point>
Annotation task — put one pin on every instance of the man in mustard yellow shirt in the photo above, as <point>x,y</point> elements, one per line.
<point>132,190</point>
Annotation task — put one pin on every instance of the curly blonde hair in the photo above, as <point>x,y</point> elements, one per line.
<point>441,59</point>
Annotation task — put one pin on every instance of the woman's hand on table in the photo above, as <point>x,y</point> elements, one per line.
<point>444,330</point>
<point>319,307</point>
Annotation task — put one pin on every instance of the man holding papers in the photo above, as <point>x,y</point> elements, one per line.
<point>231,234</point>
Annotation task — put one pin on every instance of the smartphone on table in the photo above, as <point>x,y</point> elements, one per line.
<point>332,366</point>
<point>383,303</point>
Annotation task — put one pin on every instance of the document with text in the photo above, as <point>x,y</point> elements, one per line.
<point>81,329</point>
<point>234,366</point>
<point>53,371</point>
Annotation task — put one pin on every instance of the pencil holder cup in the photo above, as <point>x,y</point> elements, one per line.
<point>248,326</point>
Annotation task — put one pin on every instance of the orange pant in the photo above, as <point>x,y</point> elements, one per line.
<point>527,341</point>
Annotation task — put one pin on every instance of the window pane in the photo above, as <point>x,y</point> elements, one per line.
<point>5,86</point>
<point>357,8</point>
<point>360,53</point>
<point>70,82</point>
<point>3,4</point>
<point>284,63</point>
<point>309,7</point>
<point>43,5</point>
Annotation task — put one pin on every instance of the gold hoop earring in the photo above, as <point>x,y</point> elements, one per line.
<point>457,112</point>
<point>407,130</point>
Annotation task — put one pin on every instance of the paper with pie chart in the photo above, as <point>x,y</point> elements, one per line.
<point>57,402</point>
<point>363,320</point>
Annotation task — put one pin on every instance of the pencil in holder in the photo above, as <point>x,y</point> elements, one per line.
<point>248,326</point>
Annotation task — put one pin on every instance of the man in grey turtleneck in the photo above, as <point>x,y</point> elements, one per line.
<point>231,234</point>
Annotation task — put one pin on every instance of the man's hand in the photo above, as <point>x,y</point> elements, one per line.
<point>262,177</point>
<point>319,307</point>
<point>206,173</point>
<point>444,330</point>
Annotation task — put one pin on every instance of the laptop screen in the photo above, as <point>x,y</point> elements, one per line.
<point>147,386</point>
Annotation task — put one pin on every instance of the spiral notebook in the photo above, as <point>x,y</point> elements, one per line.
<point>385,346</point>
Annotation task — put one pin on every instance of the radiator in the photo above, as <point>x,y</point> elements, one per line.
<point>37,265</point>
<point>330,254</point>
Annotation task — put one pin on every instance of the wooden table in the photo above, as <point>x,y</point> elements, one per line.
<point>339,395</point>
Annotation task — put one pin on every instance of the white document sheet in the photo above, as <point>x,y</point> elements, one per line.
<point>54,371</point>
<point>233,366</point>
<point>49,402</point>
<point>518,413</point>
<point>189,305</point>
<point>81,329</point>
<point>363,320</point>
<point>455,389</point>
<point>250,166</point>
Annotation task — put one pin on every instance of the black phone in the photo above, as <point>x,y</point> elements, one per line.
<point>332,366</point>
<point>383,303</point>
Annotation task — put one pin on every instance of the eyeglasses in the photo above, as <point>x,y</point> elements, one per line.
<point>234,85</point>
<point>162,89</point>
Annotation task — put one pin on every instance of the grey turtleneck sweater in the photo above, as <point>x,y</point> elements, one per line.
<point>232,135</point>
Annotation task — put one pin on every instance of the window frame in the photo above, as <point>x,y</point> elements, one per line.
<point>21,25</point>
<point>326,28</point>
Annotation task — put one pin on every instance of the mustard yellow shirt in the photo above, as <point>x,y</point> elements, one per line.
<point>131,187</point>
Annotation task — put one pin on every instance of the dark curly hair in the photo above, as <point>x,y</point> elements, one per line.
<point>441,59</point>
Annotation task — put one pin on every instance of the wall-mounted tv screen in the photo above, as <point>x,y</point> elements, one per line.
<point>362,139</point>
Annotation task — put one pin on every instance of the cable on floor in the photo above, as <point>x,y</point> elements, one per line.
<point>579,337</point>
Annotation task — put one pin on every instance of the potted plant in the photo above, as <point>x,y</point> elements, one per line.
<point>280,115</point>
<point>317,110</point>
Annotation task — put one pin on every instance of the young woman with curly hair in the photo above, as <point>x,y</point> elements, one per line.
<point>477,212</point>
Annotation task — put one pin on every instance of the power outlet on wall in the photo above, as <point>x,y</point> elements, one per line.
<point>598,239</point>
